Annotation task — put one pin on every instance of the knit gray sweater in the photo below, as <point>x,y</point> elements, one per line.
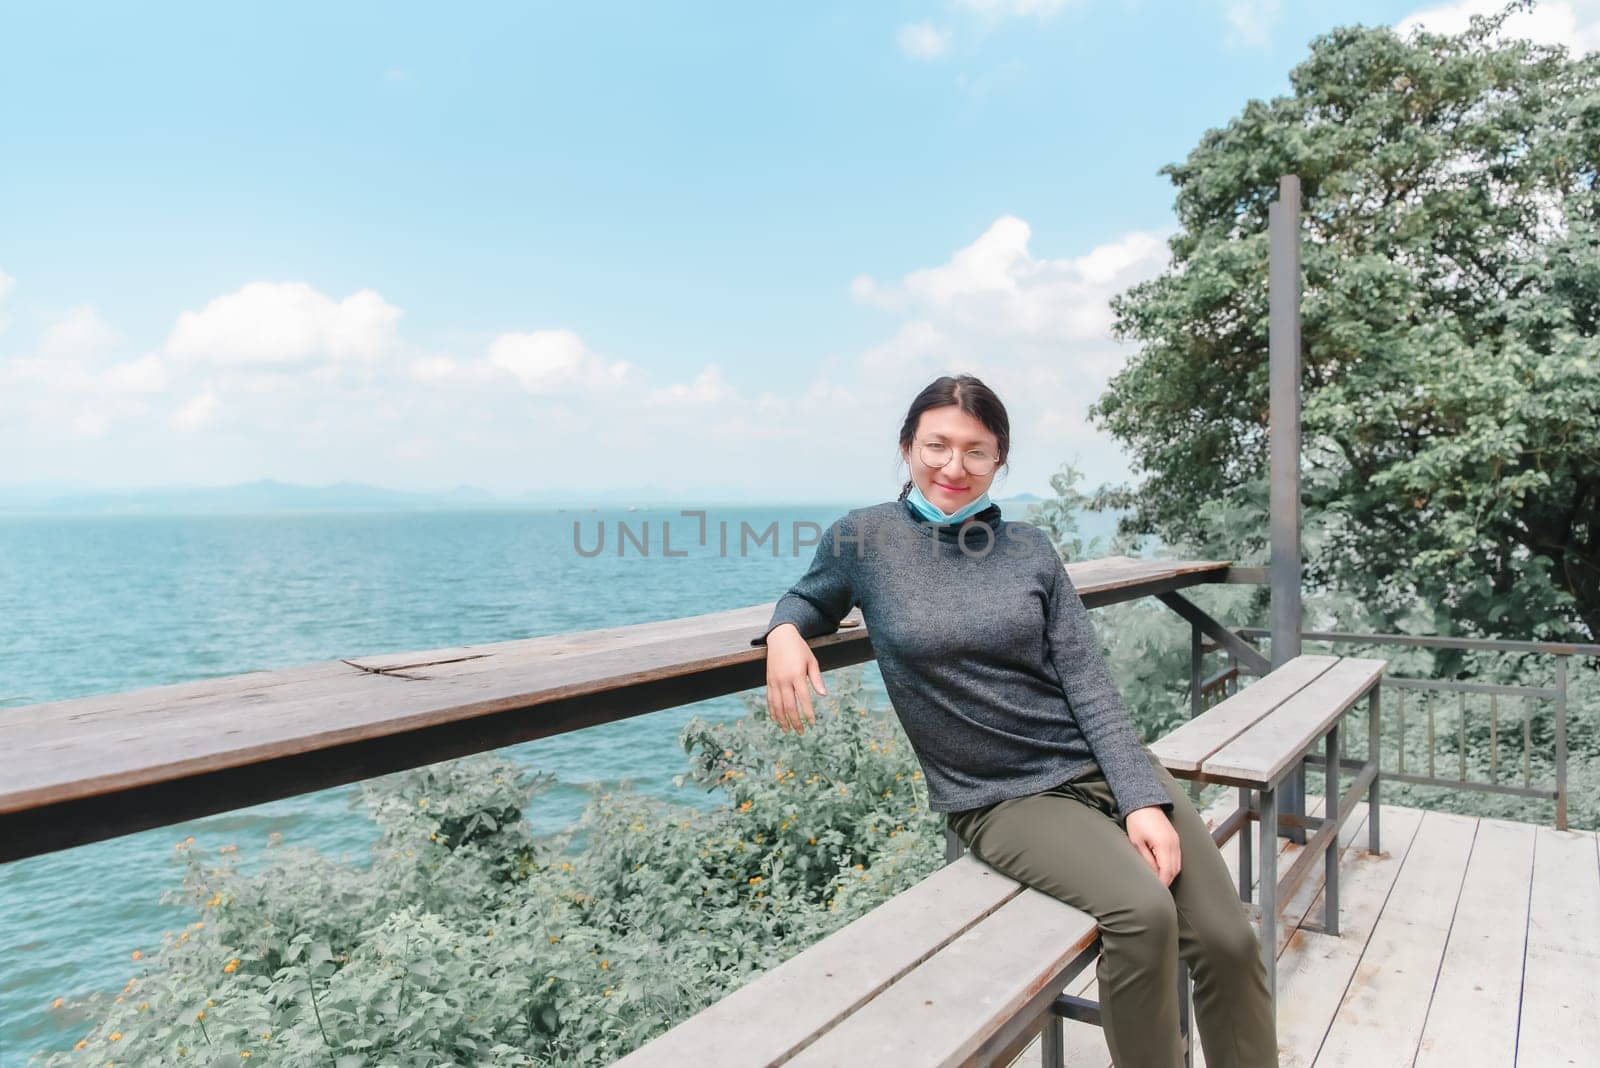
<point>987,653</point>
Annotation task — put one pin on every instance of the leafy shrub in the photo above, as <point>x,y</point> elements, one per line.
<point>468,940</point>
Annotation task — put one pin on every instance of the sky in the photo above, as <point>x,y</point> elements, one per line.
<point>709,249</point>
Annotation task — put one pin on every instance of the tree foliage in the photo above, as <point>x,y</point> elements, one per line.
<point>1451,379</point>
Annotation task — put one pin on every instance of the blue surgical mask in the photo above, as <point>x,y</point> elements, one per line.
<point>929,511</point>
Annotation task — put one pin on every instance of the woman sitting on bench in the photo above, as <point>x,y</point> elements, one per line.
<point>989,658</point>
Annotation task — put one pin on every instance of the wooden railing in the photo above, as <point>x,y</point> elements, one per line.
<point>92,768</point>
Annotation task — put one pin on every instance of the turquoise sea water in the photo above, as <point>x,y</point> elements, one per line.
<point>92,605</point>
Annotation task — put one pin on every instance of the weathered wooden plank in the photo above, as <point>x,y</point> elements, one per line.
<point>1561,985</point>
<point>1265,751</point>
<point>945,1009</point>
<point>1187,747</point>
<point>766,1020</point>
<point>1380,1019</point>
<point>1314,970</point>
<point>1472,1019</point>
<point>109,764</point>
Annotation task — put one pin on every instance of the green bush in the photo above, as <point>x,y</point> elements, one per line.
<point>468,940</point>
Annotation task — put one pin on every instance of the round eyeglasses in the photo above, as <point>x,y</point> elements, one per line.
<point>936,454</point>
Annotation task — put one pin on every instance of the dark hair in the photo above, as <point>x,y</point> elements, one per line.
<point>974,398</point>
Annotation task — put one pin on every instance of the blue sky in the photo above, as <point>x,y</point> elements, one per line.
<point>713,247</point>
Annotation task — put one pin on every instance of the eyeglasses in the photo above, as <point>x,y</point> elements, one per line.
<point>936,454</point>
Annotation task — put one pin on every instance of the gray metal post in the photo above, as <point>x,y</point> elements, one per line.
<point>1283,344</point>
<point>1561,743</point>
<point>1375,754</point>
<point>1196,698</point>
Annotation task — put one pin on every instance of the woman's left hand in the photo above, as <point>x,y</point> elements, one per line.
<point>1156,839</point>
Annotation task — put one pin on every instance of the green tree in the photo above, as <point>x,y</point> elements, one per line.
<point>1451,386</point>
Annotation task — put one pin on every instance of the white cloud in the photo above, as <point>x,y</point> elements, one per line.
<point>996,286</point>
<point>285,324</point>
<point>708,387</point>
<point>1250,22</point>
<point>197,412</point>
<point>79,332</point>
<point>432,368</point>
<point>922,40</point>
<point>1036,329</point>
<point>6,284</point>
<point>1573,23</point>
<point>552,361</point>
<point>147,374</point>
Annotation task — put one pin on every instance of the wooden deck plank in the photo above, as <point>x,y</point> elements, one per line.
<point>1313,970</point>
<point>1472,1018</point>
<point>1560,1021</point>
<point>766,1019</point>
<point>1380,1018</point>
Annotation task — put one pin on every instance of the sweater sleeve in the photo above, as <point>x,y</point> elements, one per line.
<point>1105,721</point>
<point>825,593</point>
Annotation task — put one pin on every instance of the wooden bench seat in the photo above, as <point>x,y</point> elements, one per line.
<point>967,966</point>
<point>958,969</point>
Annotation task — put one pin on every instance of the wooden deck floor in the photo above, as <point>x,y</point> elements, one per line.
<point>1463,942</point>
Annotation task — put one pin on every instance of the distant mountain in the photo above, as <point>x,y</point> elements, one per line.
<point>269,496</point>
<point>263,496</point>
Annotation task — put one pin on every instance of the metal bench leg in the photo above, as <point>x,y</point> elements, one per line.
<point>1330,854</point>
<point>1246,876</point>
<point>1373,752</point>
<point>1269,887</point>
<point>1053,1042</point>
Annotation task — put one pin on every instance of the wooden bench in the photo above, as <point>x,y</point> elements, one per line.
<point>968,965</point>
<point>1255,740</point>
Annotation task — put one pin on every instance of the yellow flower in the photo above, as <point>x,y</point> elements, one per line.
<point>754,879</point>
<point>745,806</point>
<point>860,867</point>
<point>245,1054</point>
<point>554,939</point>
<point>143,1005</point>
<point>116,1036</point>
<point>137,955</point>
<point>608,991</point>
<point>201,1015</point>
<point>842,789</point>
<point>813,841</point>
<point>606,965</point>
<point>232,966</point>
<point>210,1003</point>
<point>82,1042</point>
<point>57,1003</point>
<point>422,802</point>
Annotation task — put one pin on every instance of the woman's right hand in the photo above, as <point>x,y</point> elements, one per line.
<point>791,669</point>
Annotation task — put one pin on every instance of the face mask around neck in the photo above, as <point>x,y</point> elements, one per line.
<point>931,512</point>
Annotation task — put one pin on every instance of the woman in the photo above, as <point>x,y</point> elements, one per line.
<point>990,660</point>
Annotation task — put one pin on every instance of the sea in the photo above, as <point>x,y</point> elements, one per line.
<point>113,603</point>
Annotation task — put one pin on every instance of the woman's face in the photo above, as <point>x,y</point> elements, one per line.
<point>951,486</point>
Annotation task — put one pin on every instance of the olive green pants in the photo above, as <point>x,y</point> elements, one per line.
<point>1071,842</point>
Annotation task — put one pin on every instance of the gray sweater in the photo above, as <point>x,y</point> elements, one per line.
<point>987,653</point>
